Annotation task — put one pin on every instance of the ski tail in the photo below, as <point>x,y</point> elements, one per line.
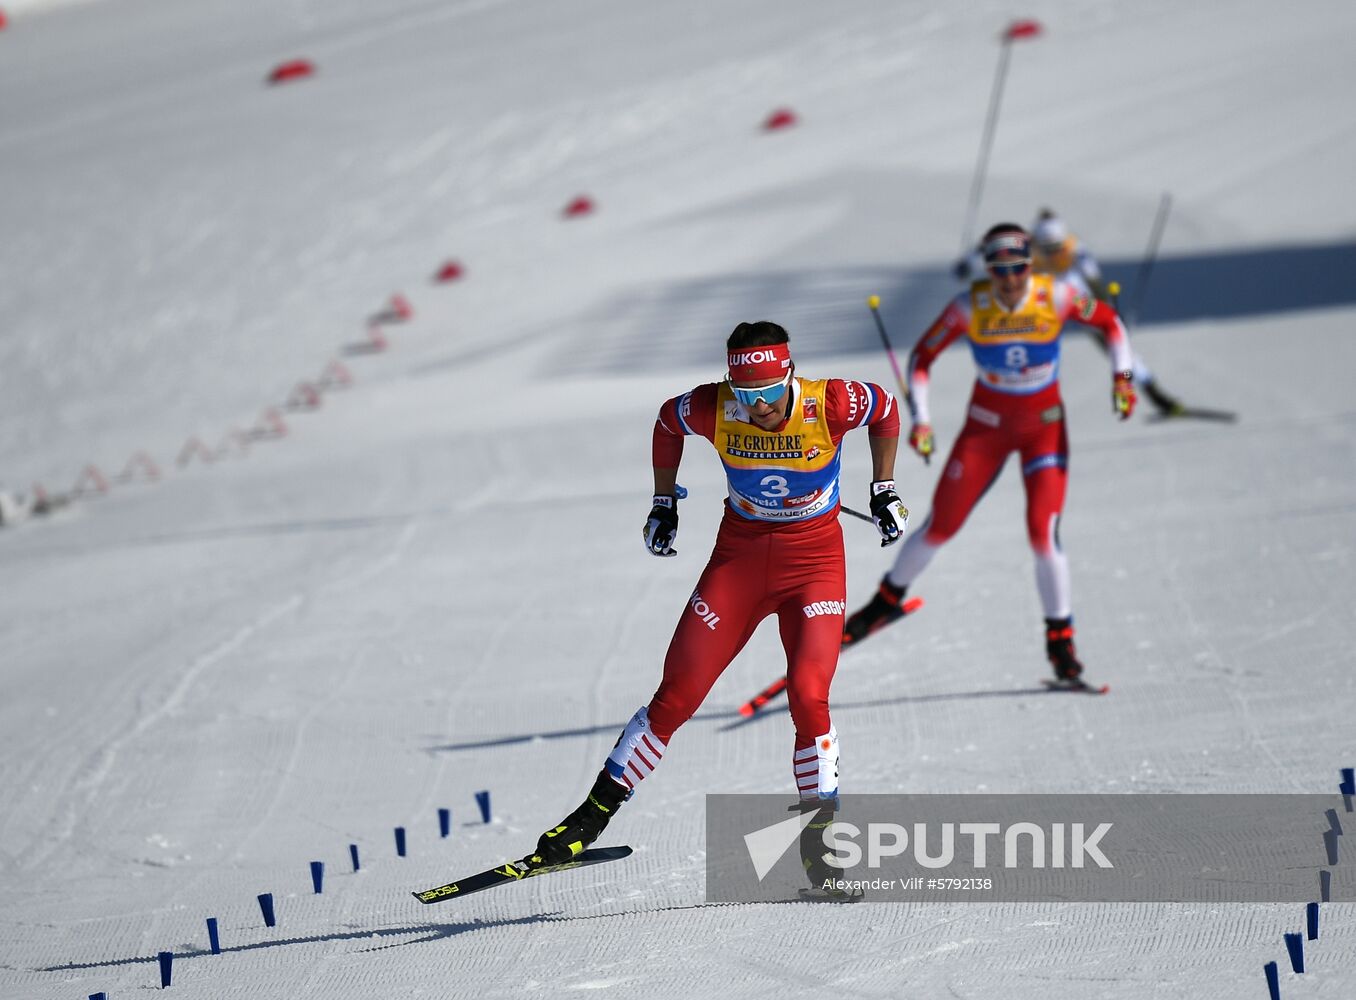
<point>762,697</point>
<point>755,704</point>
<point>1181,412</point>
<point>1075,684</point>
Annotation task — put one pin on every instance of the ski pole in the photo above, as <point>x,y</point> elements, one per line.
<point>1150,256</point>
<point>682,495</point>
<point>1016,30</point>
<point>857,514</point>
<point>873,303</point>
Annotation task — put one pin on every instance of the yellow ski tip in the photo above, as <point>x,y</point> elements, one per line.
<point>873,301</point>
<point>1114,288</point>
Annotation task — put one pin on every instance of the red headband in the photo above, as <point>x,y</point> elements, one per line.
<point>752,364</point>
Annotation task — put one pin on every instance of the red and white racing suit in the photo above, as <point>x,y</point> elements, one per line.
<point>1015,407</point>
<point>779,551</point>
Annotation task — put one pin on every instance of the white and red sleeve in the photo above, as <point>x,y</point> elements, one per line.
<point>951,324</point>
<point>691,413</point>
<point>1070,303</point>
<point>851,404</point>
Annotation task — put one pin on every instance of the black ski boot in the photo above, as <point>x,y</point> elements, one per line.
<point>885,607</point>
<point>1165,404</point>
<point>1059,648</point>
<point>583,826</point>
<point>823,876</point>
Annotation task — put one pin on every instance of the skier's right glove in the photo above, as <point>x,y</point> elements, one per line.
<point>890,515</point>
<point>920,440</point>
<point>662,527</point>
<point>1123,396</point>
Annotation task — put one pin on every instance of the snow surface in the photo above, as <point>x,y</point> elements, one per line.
<point>433,585</point>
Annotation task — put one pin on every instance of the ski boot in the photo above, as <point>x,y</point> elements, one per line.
<point>1166,405</point>
<point>885,607</point>
<point>822,875</point>
<point>583,826</point>
<point>1059,648</point>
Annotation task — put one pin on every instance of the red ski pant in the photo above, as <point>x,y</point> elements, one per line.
<point>793,571</point>
<point>976,460</point>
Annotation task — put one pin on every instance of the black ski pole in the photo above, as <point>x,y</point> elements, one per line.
<point>857,514</point>
<point>873,303</point>
<point>1150,255</point>
<point>1014,31</point>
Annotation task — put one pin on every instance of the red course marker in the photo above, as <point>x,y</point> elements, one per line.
<point>582,205</point>
<point>293,69</point>
<point>1022,29</point>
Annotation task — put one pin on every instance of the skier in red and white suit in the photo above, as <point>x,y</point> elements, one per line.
<point>779,551</point>
<point>1013,322</point>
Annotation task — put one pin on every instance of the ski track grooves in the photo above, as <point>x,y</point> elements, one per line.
<point>91,775</point>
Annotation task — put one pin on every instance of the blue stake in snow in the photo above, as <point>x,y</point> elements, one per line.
<point>266,907</point>
<point>1330,843</point>
<point>1294,944</point>
<point>213,938</point>
<point>98,996</point>
<point>1311,918</point>
<point>1273,980</point>
<point>1325,887</point>
<point>353,854</point>
<point>318,876</point>
<point>483,800</point>
<point>1348,786</point>
<point>444,821</point>
<point>166,968</point>
<point>400,840</point>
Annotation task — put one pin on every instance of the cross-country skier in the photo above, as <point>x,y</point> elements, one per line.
<point>779,551</point>
<point>1013,320</point>
<point>1058,251</point>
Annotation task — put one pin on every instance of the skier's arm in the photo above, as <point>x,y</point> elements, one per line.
<point>851,404</point>
<point>883,451</point>
<point>889,513</point>
<point>661,527</point>
<point>1103,318</point>
<point>954,321</point>
<point>691,413</point>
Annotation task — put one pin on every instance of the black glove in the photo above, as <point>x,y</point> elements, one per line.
<point>662,527</point>
<point>890,515</point>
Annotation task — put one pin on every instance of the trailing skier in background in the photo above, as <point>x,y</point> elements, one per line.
<point>779,551</point>
<point>1013,320</point>
<point>1057,251</point>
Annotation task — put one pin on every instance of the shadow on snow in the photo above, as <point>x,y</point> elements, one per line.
<point>424,934</point>
<point>825,310</point>
<point>732,719</point>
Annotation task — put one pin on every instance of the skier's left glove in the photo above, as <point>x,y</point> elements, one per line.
<point>890,515</point>
<point>1123,396</point>
<point>662,527</point>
